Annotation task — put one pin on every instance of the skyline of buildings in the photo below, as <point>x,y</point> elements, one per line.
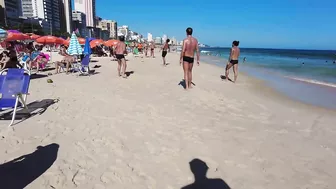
<point>58,16</point>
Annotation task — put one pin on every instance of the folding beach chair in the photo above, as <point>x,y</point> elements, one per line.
<point>24,61</point>
<point>83,67</point>
<point>14,85</point>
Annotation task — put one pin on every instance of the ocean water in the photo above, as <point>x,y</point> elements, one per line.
<point>305,75</point>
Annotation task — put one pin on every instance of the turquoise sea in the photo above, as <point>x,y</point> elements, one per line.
<point>305,75</point>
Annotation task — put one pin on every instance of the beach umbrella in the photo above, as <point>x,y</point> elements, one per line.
<point>96,42</point>
<point>80,40</point>
<point>111,42</point>
<point>74,46</point>
<point>91,38</point>
<point>49,40</point>
<point>3,34</point>
<point>13,31</point>
<point>34,36</point>
<point>87,48</point>
<point>16,36</point>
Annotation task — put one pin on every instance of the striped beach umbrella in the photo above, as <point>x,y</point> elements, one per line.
<point>3,34</point>
<point>74,46</point>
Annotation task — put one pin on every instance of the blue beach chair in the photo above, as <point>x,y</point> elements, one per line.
<point>14,85</point>
<point>83,67</point>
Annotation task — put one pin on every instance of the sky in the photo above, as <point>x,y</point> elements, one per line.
<point>299,24</point>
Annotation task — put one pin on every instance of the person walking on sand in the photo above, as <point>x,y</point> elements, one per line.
<point>120,52</point>
<point>190,45</point>
<point>152,47</point>
<point>165,49</point>
<point>233,61</point>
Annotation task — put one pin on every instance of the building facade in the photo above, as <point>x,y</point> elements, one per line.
<point>79,22</point>
<point>66,16</point>
<point>2,13</point>
<point>158,40</point>
<point>88,7</point>
<point>124,31</point>
<point>149,37</point>
<point>13,11</point>
<point>110,26</point>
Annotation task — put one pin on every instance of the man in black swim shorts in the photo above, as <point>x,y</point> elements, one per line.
<point>189,47</point>
<point>188,59</point>
<point>165,51</point>
<point>233,61</point>
<point>120,56</point>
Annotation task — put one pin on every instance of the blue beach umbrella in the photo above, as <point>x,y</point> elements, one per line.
<point>87,48</point>
<point>74,46</point>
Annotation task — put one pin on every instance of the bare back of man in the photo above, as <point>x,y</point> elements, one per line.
<point>120,52</point>
<point>233,61</point>
<point>190,45</point>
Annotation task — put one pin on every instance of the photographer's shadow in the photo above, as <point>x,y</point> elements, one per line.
<point>199,168</point>
<point>20,172</point>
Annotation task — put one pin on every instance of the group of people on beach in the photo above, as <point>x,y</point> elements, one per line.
<point>189,47</point>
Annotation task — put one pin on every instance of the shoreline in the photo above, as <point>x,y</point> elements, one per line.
<point>285,95</point>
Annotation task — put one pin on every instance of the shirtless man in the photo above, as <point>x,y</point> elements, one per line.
<point>152,47</point>
<point>190,45</point>
<point>165,49</point>
<point>145,47</point>
<point>233,60</point>
<point>120,52</point>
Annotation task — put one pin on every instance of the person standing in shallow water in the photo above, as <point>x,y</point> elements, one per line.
<point>165,49</point>
<point>120,52</point>
<point>233,61</point>
<point>190,45</point>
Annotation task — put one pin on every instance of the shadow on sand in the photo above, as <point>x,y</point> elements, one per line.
<point>34,108</point>
<point>183,84</point>
<point>129,73</point>
<point>20,172</point>
<point>199,168</point>
<point>38,76</point>
<point>223,77</point>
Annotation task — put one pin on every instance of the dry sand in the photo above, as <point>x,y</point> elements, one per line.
<point>143,131</point>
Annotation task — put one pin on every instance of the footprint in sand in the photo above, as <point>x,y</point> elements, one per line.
<point>79,178</point>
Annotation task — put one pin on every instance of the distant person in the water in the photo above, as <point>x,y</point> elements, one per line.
<point>233,61</point>
<point>302,63</point>
<point>244,59</point>
<point>334,62</point>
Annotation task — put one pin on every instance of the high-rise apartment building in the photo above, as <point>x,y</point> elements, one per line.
<point>88,7</point>
<point>110,26</point>
<point>149,37</point>
<point>66,15</point>
<point>47,10</point>
<point>13,11</point>
<point>124,31</point>
<point>2,13</point>
<point>79,22</point>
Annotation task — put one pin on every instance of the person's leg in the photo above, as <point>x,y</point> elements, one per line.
<point>56,67</point>
<point>124,67</point>
<point>119,67</point>
<point>227,69</point>
<point>186,72</point>
<point>190,74</point>
<point>164,60</point>
<point>235,72</point>
<point>67,66</point>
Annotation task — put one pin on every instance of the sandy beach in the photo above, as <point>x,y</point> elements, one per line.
<point>103,132</point>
